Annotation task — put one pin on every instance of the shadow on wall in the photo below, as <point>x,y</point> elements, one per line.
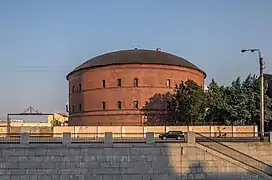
<point>160,110</point>
<point>171,167</point>
<point>212,171</point>
<point>142,161</point>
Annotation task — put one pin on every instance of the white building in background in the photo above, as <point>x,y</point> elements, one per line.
<point>206,88</point>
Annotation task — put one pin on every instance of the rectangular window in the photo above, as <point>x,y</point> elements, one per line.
<point>168,83</point>
<point>80,107</point>
<point>119,82</point>
<point>73,108</point>
<point>103,105</point>
<point>135,82</point>
<point>119,105</point>
<point>73,89</point>
<point>136,105</point>
<point>79,87</point>
<point>103,83</point>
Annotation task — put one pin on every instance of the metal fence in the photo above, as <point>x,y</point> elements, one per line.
<point>10,138</point>
<point>230,137</point>
<point>57,138</point>
<point>41,138</point>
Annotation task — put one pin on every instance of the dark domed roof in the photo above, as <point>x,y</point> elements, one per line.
<point>136,56</point>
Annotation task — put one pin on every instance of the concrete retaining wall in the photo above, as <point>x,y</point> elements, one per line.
<point>118,161</point>
<point>258,150</point>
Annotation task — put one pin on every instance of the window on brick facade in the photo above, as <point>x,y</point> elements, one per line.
<point>73,88</point>
<point>103,83</point>
<point>136,104</point>
<point>80,107</point>
<point>135,82</point>
<point>119,105</point>
<point>79,87</point>
<point>73,108</point>
<point>168,83</point>
<point>103,105</point>
<point>119,82</point>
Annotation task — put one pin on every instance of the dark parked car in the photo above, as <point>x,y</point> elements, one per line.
<point>172,135</point>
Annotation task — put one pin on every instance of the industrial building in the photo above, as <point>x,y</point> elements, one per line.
<point>114,88</point>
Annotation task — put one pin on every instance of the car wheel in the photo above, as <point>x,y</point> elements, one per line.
<point>178,138</point>
<point>164,138</point>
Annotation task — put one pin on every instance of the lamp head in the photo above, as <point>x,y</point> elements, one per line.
<point>243,50</point>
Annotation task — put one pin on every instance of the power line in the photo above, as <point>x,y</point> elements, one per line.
<point>59,69</point>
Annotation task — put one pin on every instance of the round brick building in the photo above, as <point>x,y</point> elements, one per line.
<point>114,88</point>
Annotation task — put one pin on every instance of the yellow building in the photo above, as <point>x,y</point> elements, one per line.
<point>59,119</point>
<point>19,127</point>
<point>24,124</point>
<point>30,124</point>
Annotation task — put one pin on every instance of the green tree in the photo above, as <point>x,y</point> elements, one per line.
<point>157,112</point>
<point>238,101</point>
<point>243,99</point>
<point>252,88</point>
<point>190,102</point>
<point>216,106</point>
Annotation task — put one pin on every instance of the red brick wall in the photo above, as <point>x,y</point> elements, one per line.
<point>151,80</point>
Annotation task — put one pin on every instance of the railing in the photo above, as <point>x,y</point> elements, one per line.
<point>74,138</point>
<point>57,138</point>
<point>12,138</point>
<point>229,136</point>
<point>215,145</point>
<point>87,137</point>
<point>48,138</point>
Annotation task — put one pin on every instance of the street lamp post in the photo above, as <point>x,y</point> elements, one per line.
<point>261,63</point>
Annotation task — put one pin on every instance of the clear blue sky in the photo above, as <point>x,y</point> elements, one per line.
<point>41,41</point>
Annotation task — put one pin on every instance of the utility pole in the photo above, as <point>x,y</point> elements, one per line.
<point>262,96</point>
<point>261,63</point>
